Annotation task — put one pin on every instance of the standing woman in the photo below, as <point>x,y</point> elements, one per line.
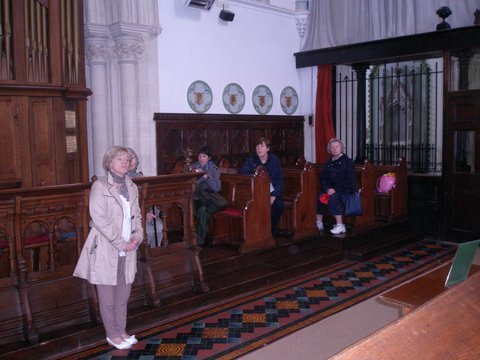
<point>336,180</point>
<point>109,256</point>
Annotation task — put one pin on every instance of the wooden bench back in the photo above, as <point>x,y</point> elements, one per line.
<point>364,176</point>
<point>394,204</point>
<point>300,194</point>
<point>251,195</point>
<point>237,189</point>
<point>292,182</point>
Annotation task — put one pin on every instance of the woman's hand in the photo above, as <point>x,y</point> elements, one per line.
<point>272,199</point>
<point>331,191</point>
<point>150,216</point>
<point>132,245</point>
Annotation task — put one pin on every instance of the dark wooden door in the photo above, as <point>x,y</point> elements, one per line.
<point>462,166</point>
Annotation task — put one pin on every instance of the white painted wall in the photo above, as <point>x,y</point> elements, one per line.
<point>256,48</point>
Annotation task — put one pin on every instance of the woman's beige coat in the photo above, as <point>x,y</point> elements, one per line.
<point>99,258</point>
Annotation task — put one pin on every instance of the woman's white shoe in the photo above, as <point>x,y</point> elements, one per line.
<point>132,340</point>
<point>320,225</point>
<point>338,229</point>
<point>122,346</point>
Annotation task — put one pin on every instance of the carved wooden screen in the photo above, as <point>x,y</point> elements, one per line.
<point>230,137</point>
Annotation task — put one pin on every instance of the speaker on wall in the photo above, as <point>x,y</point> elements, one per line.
<point>226,15</point>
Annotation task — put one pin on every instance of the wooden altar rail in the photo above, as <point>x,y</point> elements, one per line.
<point>246,220</point>
<point>42,231</point>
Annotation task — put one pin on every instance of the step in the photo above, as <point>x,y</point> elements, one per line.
<point>378,246</point>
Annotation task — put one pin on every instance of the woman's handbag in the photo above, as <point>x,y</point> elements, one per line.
<point>353,204</point>
<point>212,200</point>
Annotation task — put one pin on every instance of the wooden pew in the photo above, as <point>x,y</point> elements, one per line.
<point>225,167</point>
<point>175,266</point>
<point>42,231</point>
<point>365,178</point>
<point>298,220</point>
<point>446,327</point>
<point>246,220</point>
<point>389,206</point>
<point>44,228</point>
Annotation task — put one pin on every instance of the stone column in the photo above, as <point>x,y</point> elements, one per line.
<point>98,55</point>
<point>129,49</point>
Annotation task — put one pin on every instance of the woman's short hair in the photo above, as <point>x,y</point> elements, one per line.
<point>262,140</point>
<point>111,154</point>
<point>205,150</point>
<point>334,140</point>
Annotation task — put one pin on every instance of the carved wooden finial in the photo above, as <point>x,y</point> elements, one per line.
<point>188,155</point>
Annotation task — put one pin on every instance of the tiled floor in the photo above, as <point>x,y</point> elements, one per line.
<point>329,336</point>
<point>257,320</point>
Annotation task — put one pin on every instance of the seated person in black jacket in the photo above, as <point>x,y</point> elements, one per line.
<point>274,169</point>
<point>209,182</point>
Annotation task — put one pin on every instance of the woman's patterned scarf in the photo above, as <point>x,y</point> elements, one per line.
<point>120,180</point>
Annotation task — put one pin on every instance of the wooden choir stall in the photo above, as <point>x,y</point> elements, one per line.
<point>42,231</point>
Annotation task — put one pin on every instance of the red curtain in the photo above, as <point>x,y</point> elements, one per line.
<point>324,130</point>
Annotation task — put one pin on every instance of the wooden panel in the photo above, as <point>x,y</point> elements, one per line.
<point>417,292</point>
<point>445,328</point>
<point>229,136</point>
<point>425,202</point>
<point>300,194</point>
<point>43,138</point>
<point>21,139</point>
<point>462,166</point>
<point>33,132</point>
<point>9,140</point>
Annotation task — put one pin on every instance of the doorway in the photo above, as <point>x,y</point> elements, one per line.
<point>462,166</point>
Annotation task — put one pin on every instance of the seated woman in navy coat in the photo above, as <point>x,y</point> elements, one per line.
<point>337,180</point>
<point>274,169</point>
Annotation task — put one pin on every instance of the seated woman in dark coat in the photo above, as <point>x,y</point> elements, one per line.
<point>274,169</point>
<point>337,180</point>
<point>208,182</point>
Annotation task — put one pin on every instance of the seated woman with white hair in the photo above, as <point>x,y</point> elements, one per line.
<point>336,181</point>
